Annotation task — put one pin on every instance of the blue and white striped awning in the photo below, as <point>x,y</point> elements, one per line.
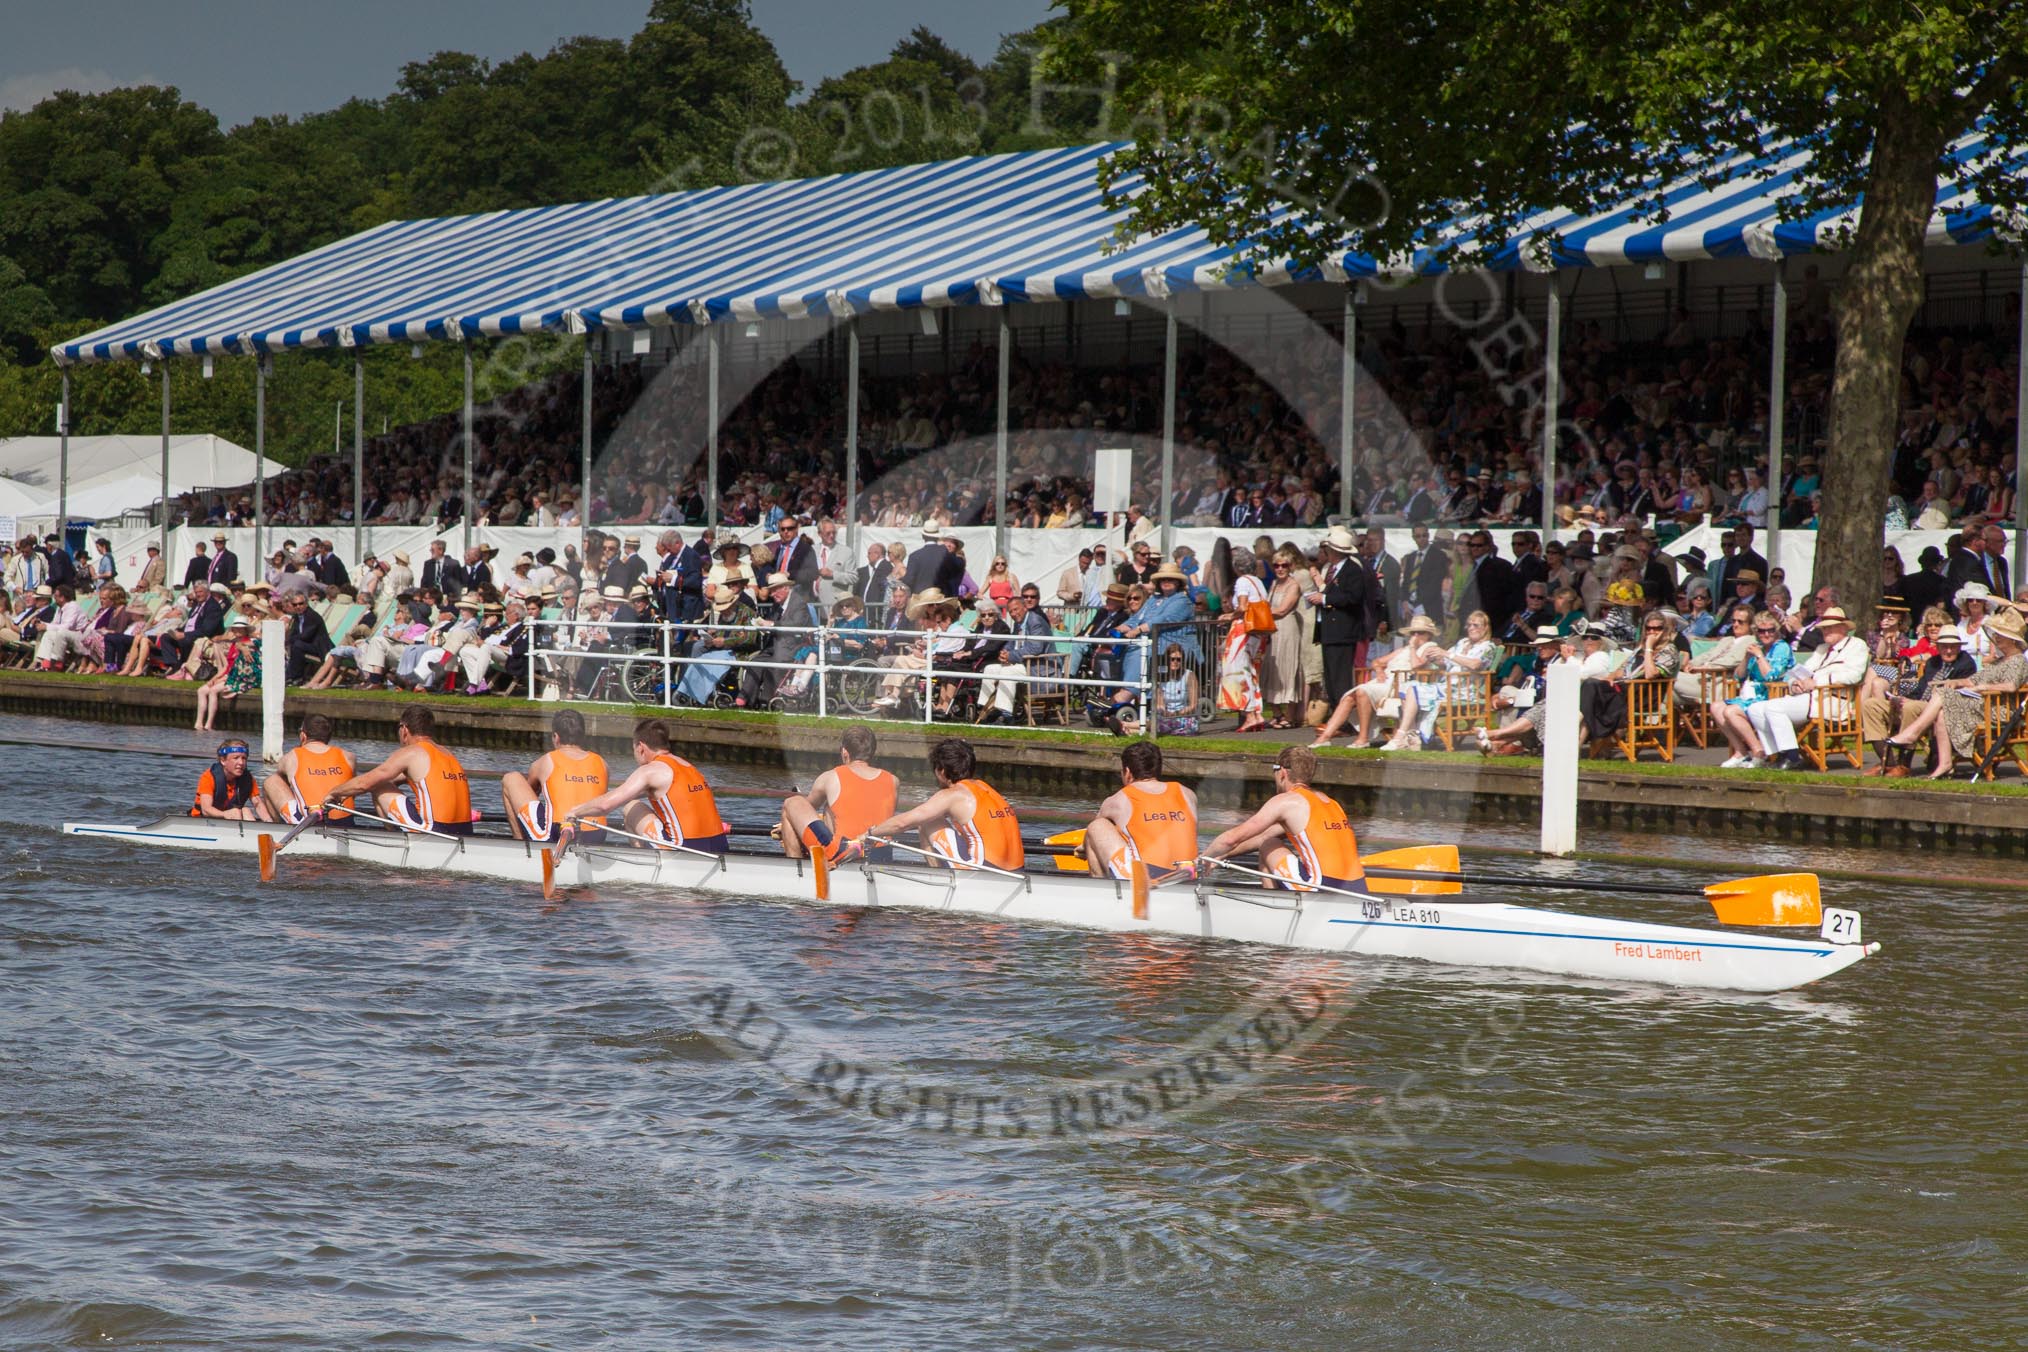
<point>988,230</point>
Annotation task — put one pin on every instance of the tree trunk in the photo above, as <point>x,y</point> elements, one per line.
<point>1875,304</point>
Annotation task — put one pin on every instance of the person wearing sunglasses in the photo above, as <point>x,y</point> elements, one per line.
<point>1768,659</point>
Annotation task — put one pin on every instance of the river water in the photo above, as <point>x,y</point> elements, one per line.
<point>353,1108</point>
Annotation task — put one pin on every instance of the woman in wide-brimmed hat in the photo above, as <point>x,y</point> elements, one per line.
<point>1962,715</point>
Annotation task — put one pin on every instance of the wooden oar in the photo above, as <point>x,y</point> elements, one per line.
<point>270,847</point>
<point>1769,899</point>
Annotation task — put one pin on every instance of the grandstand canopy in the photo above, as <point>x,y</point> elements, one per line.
<point>987,230</point>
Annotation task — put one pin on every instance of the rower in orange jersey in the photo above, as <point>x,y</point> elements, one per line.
<point>965,822</point>
<point>665,798</point>
<point>302,781</point>
<point>843,804</point>
<point>557,786</point>
<point>1150,819</point>
<point>421,787</point>
<point>1303,836</point>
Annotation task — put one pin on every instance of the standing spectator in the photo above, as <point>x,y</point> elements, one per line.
<point>62,568</point>
<point>105,568</point>
<point>154,573</point>
<point>1341,611</point>
<point>1285,688</point>
<point>224,563</point>
<point>1239,677</point>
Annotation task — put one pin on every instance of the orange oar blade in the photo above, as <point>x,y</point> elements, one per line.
<point>1430,858</point>
<point>1140,886</point>
<point>1070,840</point>
<point>820,864</point>
<point>548,874</point>
<point>1772,899</point>
<point>267,857</point>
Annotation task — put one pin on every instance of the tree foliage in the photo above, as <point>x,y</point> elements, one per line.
<point>1379,121</point>
<point>114,203</point>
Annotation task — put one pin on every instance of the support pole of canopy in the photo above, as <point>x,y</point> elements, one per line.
<point>1552,399</point>
<point>1348,379</point>
<point>467,498</point>
<point>1165,509</point>
<point>1000,440</point>
<point>260,458</point>
<point>63,467</point>
<point>165,469</point>
<point>358,459</point>
<point>2020,436</point>
<point>1777,401</point>
<point>711,428</point>
<point>852,436</point>
<point>584,467</point>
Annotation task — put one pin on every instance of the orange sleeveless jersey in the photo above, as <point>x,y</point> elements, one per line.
<point>995,825</point>
<point>318,772</point>
<point>1161,825</point>
<point>573,781</point>
<point>688,811</point>
<point>449,796</point>
<point>861,804</point>
<point>1327,844</point>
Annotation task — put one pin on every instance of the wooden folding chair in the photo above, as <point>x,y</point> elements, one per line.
<point>1467,704</point>
<point>1835,726</point>
<point>1651,718</point>
<point>1999,712</point>
<point>1040,691</point>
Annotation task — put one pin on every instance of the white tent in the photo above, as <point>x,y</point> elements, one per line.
<point>111,475</point>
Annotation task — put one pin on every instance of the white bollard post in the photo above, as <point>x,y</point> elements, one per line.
<point>274,679</point>
<point>1559,761</point>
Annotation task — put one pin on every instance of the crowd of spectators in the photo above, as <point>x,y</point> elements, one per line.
<point>1413,647</point>
<point>1676,428</point>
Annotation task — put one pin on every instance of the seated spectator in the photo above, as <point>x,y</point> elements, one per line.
<point>1382,695</point>
<point>1944,667</point>
<point>1474,651</point>
<point>60,636</point>
<point>1962,711</point>
<point>1815,686</point>
<point>1603,703</point>
<point>1528,701</point>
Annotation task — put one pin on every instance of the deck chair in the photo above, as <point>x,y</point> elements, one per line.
<point>1651,718</point>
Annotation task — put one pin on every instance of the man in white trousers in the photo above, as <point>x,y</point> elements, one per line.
<point>1841,661</point>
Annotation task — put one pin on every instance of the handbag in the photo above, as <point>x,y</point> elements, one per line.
<point>1316,713</point>
<point>1260,618</point>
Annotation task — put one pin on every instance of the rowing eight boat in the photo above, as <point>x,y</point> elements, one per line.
<point>1444,929</point>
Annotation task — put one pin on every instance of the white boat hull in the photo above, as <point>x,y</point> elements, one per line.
<point>1441,929</point>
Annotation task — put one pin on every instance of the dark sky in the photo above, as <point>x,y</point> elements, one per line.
<point>242,59</point>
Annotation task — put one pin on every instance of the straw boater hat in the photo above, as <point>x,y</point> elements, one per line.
<point>924,599</point>
<point>495,608</point>
<point>1950,633</point>
<point>1746,575</point>
<point>1116,592</point>
<point>2008,624</point>
<point>1833,615</point>
<point>548,593</point>
<point>1340,539</point>
<point>640,589</point>
<point>1893,603</point>
<point>932,531</point>
<point>44,590</point>
<point>240,622</point>
<point>1169,572</point>
<point>614,593</point>
<point>779,580</point>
